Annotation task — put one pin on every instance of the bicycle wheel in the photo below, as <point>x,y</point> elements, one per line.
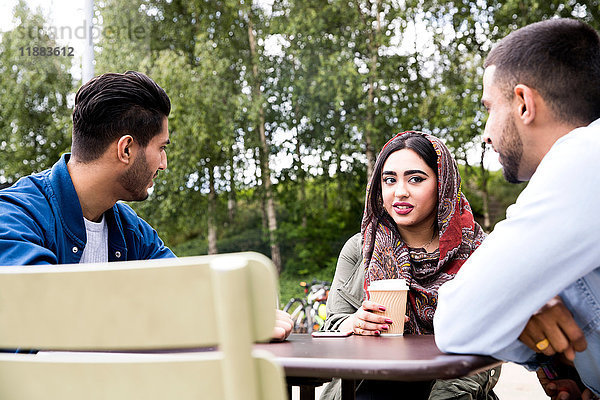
<point>312,318</point>
<point>296,309</point>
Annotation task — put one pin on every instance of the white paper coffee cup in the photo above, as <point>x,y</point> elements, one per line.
<point>390,293</point>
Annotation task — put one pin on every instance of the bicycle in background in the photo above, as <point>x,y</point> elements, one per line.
<point>309,313</point>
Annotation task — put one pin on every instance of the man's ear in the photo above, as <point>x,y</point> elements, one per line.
<point>124,149</point>
<point>525,103</point>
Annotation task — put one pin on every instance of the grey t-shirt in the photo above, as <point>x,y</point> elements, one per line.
<point>96,248</point>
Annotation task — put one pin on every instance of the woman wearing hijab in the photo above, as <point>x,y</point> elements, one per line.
<point>418,226</point>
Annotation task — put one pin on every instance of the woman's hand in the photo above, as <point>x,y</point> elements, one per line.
<point>553,330</point>
<point>365,322</point>
<point>283,326</point>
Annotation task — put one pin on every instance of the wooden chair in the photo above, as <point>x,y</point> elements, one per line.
<point>145,317</point>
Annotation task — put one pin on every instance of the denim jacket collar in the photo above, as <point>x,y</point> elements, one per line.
<point>71,215</point>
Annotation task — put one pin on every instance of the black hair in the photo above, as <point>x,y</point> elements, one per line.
<point>560,58</point>
<point>112,105</point>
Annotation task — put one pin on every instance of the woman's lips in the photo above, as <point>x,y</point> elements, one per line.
<point>402,208</point>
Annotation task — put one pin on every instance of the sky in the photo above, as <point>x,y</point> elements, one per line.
<point>57,12</point>
<point>67,17</point>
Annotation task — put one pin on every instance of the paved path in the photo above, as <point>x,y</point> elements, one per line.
<point>515,383</point>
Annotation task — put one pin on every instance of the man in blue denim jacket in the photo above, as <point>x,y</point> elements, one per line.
<point>541,87</point>
<point>70,213</point>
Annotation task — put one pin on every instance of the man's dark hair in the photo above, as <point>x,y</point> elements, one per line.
<point>112,105</point>
<point>560,58</point>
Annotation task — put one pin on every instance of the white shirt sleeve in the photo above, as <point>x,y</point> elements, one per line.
<point>548,240</point>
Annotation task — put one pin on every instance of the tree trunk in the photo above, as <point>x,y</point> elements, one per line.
<point>259,193</point>
<point>325,197</point>
<point>369,131</point>
<point>264,150</point>
<point>484,192</point>
<point>231,198</point>
<point>338,176</point>
<point>299,170</point>
<point>212,226</point>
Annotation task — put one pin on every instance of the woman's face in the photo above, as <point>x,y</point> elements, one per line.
<point>409,190</point>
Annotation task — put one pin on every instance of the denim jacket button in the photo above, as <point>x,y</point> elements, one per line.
<point>118,254</point>
<point>75,249</point>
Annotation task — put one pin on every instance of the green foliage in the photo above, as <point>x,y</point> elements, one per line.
<point>127,36</point>
<point>504,194</point>
<point>248,240</point>
<point>329,77</point>
<point>34,90</point>
<point>501,195</point>
<point>335,75</point>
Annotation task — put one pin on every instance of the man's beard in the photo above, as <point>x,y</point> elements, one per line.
<point>511,151</point>
<point>137,179</point>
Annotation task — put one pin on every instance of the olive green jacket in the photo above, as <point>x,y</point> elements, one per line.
<point>347,289</point>
<point>346,296</point>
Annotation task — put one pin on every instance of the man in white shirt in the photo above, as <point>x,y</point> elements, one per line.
<point>542,91</point>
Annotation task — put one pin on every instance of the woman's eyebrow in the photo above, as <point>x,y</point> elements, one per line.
<point>389,173</point>
<point>414,171</point>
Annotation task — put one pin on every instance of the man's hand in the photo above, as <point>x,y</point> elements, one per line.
<point>559,389</point>
<point>283,325</point>
<point>563,389</point>
<point>555,323</point>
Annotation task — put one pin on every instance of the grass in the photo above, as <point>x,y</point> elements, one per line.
<point>289,283</point>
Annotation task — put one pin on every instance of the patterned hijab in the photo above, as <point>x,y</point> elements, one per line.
<point>386,256</point>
